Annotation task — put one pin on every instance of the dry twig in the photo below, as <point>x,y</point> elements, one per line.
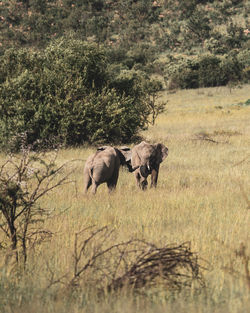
<point>134,263</point>
<point>207,137</point>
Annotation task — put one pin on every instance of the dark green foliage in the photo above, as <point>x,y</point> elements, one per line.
<point>116,118</point>
<point>235,37</point>
<point>205,71</point>
<point>35,23</point>
<point>198,27</point>
<point>247,102</point>
<point>52,87</point>
<point>67,94</point>
<point>209,72</point>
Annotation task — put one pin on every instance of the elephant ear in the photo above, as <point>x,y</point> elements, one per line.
<point>102,148</point>
<point>162,152</point>
<point>127,153</point>
<point>121,156</point>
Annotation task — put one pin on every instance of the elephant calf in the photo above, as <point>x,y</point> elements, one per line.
<point>103,167</point>
<point>147,158</point>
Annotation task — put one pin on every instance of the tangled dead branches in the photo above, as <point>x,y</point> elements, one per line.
<point>174,266</point>
<point>134,264</point>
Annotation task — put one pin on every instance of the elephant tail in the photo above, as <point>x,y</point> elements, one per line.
<point>91,172</point>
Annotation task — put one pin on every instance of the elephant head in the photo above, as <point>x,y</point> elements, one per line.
<point>152,157</point>
<point>148,157</point>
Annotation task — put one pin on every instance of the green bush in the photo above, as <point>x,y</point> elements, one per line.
<point>66,94</point>
<point>206,70</point>
<point>209,71</point>
<point>243,58</point>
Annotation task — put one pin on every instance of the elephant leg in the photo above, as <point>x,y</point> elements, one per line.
<point>138,178</point>
<point>111,186</point>
<point>94,187</point>
<point>141,181</point>
<point>154,177</point>
<point>112,182</point>
<point>87,183</point>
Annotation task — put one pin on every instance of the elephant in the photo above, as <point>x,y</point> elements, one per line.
<point>147,158</point>
<point>103,167</point>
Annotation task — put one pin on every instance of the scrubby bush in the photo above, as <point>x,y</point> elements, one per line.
<point>69,93</point>
<point>205,70</point>
<point>24,179</point>
<point>214,44</point>
<point>243,58</point>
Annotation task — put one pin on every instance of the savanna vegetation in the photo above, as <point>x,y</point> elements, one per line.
<point>202,198</point>
<point>76,74</point>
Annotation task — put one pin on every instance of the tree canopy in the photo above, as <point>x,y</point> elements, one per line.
<point>81,71</point>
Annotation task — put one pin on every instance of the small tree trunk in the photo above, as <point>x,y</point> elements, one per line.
<point>13,238</point>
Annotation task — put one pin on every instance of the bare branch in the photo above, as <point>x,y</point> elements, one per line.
<point>136,263</point>
<point>25,179</point>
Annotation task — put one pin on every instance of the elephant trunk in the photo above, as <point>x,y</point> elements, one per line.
<point>145,170</point>
<point>130,168</point>
<point>135,168</point>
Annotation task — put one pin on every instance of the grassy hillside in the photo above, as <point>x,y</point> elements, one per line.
<point>65,65</point>
<point>169,24</point>
<point>202,197</point>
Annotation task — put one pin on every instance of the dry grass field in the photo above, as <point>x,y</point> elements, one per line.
<point>202,197</point>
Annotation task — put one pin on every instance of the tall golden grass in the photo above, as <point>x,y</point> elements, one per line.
<point>202,197</point>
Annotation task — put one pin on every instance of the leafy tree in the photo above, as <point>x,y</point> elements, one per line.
<point>66,93</point>
<point>206,70</point>
<point>141,29</point>
<point>198,25</point>
<point>152,87</point>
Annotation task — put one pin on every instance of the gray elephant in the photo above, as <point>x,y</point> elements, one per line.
<point>103,167</point>
<point>147,158</point>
